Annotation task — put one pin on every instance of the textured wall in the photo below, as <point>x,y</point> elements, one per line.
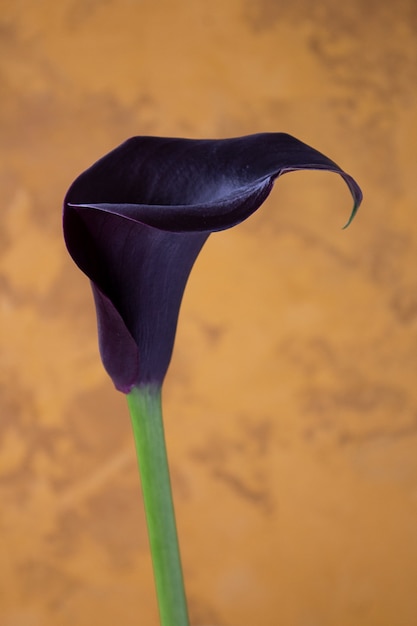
<point>290,405</point>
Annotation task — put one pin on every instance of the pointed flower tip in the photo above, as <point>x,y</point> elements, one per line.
<point>357,197</point>
<point>352,214</point>
<point>351,217</point>
<point>136,220</point>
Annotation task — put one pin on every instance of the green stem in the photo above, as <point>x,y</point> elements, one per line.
<point>146,414</point>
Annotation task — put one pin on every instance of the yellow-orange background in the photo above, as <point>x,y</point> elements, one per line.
<point>290,404</point>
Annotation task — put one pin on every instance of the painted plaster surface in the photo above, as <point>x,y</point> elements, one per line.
<point>290,405</point>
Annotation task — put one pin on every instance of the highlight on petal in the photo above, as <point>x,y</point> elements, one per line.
<point>136,220</point>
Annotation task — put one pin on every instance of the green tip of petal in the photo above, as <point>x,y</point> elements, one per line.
<point>357,196</point>
<point>352,215</point>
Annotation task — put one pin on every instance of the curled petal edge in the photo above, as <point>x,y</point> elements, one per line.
<point>211,216</point>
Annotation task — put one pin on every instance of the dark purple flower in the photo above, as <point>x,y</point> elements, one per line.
<point>136,220</point>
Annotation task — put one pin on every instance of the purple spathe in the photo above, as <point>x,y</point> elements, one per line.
<point>136,220</point>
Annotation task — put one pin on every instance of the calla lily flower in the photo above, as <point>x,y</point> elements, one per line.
<point>137,219</point>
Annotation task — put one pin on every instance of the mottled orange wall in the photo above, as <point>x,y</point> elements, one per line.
<point>290,405</point>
